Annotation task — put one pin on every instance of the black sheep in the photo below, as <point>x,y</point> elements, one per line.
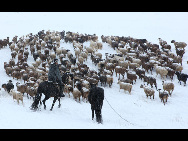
<point>182,77</point>
<point>9,86</point>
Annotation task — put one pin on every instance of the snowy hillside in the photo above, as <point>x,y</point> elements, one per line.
<point>120,109</point>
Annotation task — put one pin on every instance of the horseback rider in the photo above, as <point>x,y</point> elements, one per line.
<point>55,76</point>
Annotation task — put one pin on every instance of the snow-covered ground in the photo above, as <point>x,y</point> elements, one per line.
<point>120,109</point>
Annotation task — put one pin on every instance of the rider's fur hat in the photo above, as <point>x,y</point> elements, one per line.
<point>55,60</point>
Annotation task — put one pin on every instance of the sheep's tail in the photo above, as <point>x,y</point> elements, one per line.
<point>35,104</point>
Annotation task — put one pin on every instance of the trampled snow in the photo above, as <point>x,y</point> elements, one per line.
<point>120,109</point>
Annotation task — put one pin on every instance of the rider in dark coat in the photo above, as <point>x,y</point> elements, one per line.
<point>55,76</point>
<point>95,98</point>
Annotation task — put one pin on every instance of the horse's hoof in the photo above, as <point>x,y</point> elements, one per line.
<point>59,106</point>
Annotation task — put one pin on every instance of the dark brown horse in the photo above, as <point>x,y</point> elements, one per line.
<point>49,89</point>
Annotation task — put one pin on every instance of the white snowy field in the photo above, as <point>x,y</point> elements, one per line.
<point>134,111</point>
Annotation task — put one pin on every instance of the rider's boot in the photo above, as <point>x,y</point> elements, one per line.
<point>61,92</point>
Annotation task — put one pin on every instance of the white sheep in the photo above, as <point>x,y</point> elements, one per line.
<point>90,50</point>
<point>138,61</point>
<point>125,86</point>
<point>148,91</point>
<point>109,80</point>
<point>161,70</point>
<point>93,45</point>
<point>59,51</point>
<point>38,61</point>
<point>124,64</point>
<point>81,59</point>
<point>52,55</point>
<point>77,52</point>
<point>16,95</point>
<point>85,93</point>
<point>76,94</point>
<point>168,86</point>
<point>68,89</point>
<point>12,46</point>
<point>99,44</point>
<point>84,55</point>
<point>98,54</point>
<point>57,38</point>
<point>43,43</point>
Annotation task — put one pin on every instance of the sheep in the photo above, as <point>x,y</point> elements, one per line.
<point>8,70</point>
<point>124,64</point>
<point>179,44</point>
<point>85,93</point>
<point>148,91</point>
<point>86,84</point>
<point>84,55</point>
<point>131,75</point>
<point>31,91</point>
<point>16,74</point>
<point>57,38</point>
<point>93,45</point>
<point>133,66</point>
<point>17,95</point>
<point>161,70</point>
<point>21,87</point>
<point>12,46</point>
<point>13,54</point>
<point>122,50</point>
<point>125,81</point>
<point>99,44</point>
<point>125,86</point>
<point>110,67</point>
<point>76,94</point>
<point>168,87</point>
<point>68,89</point>
<point>109,80</point>
<point>181,77</point>
<point>52,55</point>
<point>77,52</point>
<point>98,54</point>
<point>80,59</point>
<point>90,50</point>
<point>163,96</point>
<point>140,72</point>
<point>38,61</point>
<point>120,70</point>
<point>59,51</point>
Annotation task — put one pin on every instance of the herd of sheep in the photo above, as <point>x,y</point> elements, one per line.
<point>132,60</point>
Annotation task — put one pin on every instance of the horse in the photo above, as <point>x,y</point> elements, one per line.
<point>95,98</point>
<point>49,89</point>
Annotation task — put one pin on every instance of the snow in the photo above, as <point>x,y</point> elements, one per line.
<point>121,110</point>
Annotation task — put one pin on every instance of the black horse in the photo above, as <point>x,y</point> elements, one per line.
<point>95,98</point>
<point>49,89</point>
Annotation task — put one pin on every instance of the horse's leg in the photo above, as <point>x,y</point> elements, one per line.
<point>92,114</point>
<point>44,100</point>
<point>55,98</point>
<point>59,103</point>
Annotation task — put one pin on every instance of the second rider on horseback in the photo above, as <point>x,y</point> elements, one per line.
<point>54,76</point>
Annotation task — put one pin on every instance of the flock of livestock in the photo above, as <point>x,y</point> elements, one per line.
<point>133,58</point>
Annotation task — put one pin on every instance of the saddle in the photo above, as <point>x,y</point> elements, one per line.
<point>54,83</point>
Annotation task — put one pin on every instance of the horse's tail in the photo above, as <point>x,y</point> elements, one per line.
<point>35,104</point>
